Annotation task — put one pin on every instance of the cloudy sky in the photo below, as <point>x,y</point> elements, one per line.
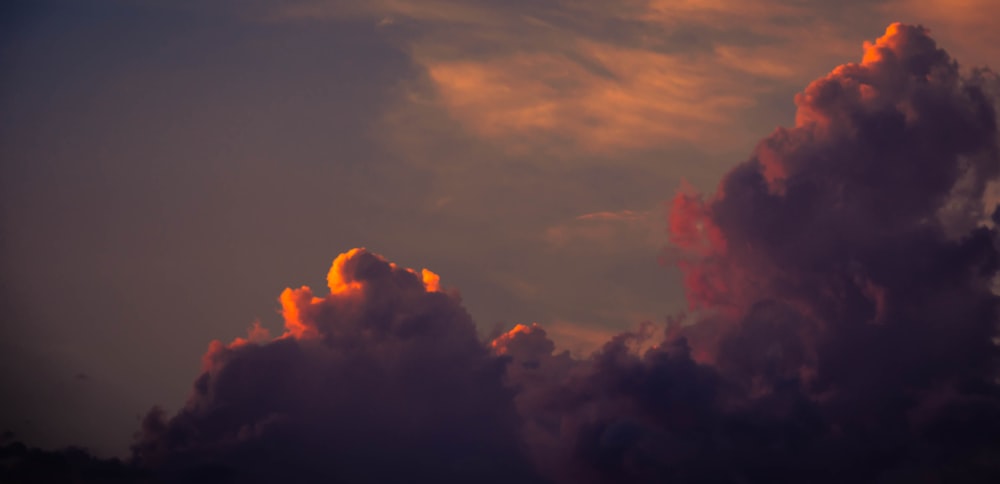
<point>170,167</point>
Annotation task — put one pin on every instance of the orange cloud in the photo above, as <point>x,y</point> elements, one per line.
<point>501,344</point>
<point>553,77</point>
<point>432,281</point>
<point>336,278</point>
<point>541,75</point>
<point>967,27</point>
<point>300,307</point>
<point>632,100</point>
<point>292,303</point>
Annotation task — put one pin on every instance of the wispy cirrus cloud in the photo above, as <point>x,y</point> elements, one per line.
<point>588,77</point>
<point>600,77</point>
<point>609,230</point>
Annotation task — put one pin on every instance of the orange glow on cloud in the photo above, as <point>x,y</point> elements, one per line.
<point>292,302</point>
<point>967,27</point>
<point>647,99</point>
<point>604,95</point>
<point>257,334</point>
<point>876,51</point>
<point>566,86</point>
<point>335,278</point>
<point>299,306</point>
<point>878,57</point>
<point>500,343</point>
<point>432,281</point>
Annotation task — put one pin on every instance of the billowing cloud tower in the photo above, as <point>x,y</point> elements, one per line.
<point>844,316</point>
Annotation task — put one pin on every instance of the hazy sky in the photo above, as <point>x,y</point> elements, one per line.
<point>169,167</point>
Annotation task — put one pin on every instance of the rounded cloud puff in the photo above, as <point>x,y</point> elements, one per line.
<point>382,380</point>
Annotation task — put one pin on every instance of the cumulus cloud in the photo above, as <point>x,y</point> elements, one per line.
<point>846,325</point>
<point>967,27</point>
<point>382,380</point>
<point>846,330</point>
<point>836,271</point>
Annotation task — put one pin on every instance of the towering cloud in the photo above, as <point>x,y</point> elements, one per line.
<point>844,275</point>
<point>863,227</point>
<point>845,330</point>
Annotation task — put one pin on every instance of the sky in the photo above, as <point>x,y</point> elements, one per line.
<point>169,168</point>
